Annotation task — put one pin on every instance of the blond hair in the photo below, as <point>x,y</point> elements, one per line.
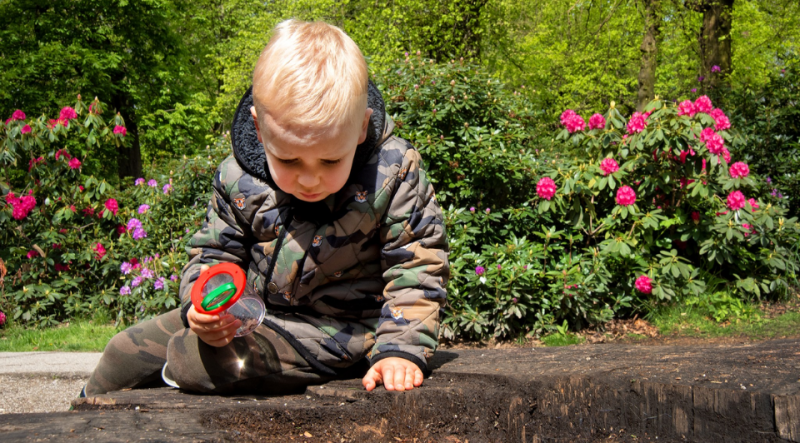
<point>311,74</point>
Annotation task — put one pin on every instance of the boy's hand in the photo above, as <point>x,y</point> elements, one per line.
<point>396,374</point>
<point>214,330</point>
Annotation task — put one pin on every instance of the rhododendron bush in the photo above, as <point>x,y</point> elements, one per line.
<point>682,209</point>
<point>607,217</point>
<point>67,236</point>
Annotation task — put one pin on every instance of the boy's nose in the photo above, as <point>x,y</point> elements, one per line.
<point>307,180</point>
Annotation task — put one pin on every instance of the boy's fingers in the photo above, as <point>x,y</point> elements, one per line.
<point>409,378</point>
<point>388,378</point>
<point>399,378</point>
<point>372,379</point>
<point>418,377</point>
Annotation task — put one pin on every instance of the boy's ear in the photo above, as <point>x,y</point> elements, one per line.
<point>255,120</point>
<point>364,126</point>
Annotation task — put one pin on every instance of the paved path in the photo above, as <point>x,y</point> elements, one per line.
<point>49,363</point>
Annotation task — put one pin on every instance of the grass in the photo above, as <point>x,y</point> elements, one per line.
<point>697,322</point>
<point>77,336</point>
<point>559,339</point>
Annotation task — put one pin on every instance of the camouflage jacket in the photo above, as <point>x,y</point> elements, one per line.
<point>360,274</point>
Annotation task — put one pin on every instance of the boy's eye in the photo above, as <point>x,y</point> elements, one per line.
<point>287,161</point>
<point>330,162</point>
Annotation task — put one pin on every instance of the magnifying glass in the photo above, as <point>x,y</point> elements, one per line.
<point>223,288</point>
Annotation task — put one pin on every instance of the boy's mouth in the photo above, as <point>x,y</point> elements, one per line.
<point>310,196</point>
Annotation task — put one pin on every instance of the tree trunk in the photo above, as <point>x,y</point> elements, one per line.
<point>715,42</point>
<point>649,48</point>
<point>129,160</point>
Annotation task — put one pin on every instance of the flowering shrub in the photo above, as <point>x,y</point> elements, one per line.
<point>64,234</point>
<point>767,118</point>
<point>605,219</point>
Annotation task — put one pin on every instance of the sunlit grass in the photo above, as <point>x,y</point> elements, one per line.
<point>692,322</point>
<point>559,339</point>
<point>77,336</point>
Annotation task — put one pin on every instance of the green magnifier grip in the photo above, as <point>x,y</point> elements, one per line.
<point>218,296</point>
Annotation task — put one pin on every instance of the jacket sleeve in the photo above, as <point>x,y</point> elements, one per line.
<point>415,268</point>
<point>224,236</point>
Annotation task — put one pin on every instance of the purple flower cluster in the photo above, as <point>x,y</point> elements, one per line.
<point>143,209</point>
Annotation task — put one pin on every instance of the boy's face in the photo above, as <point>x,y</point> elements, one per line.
<point>309,166</point>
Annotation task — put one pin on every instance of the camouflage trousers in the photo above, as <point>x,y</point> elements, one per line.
<point>262,362</point>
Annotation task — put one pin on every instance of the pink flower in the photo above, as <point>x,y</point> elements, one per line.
<point>644,284</point>
<point>479,270</point>
<point>34,161</point>
<point>472,209</point>
<point>566,115</point>
<point>626,196</point>
<point>488,210</point>
<point>726,155</point>
<point>67,114</point>
<point>739,169</point>
<point>706,134</point>
<point>637,123</point>
<point>152,183</point>
<point>753,203</point>
<point>64,153</point>
<point>715,143</point>
<point>139,181</point>
<point>74,163</point>
<point>597,121</point>
<point>21,206</point>
<point>686,108</point>
<point>736,200</point>
<point>26,129</point>
<point>99,250</point>
<point>60,267</point>
<point>575,123</point>
<point>167,188</point>
<point>88,211</point>
<point>2,318</point>
<point>703,104</point>
<point>715,68</point>
<point>17,115</point>
<point>32,254</point>
<point>112,206</point>
<point>721,120</point>
<point>748,228</point>
<point>609,166</point>
<point>546,188</point>
<point>696,217</point>
<point>120,130</point>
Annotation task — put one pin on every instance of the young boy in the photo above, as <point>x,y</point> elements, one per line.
<point>334,221</point>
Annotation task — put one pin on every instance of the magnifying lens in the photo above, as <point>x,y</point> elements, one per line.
<point>223,288</point>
